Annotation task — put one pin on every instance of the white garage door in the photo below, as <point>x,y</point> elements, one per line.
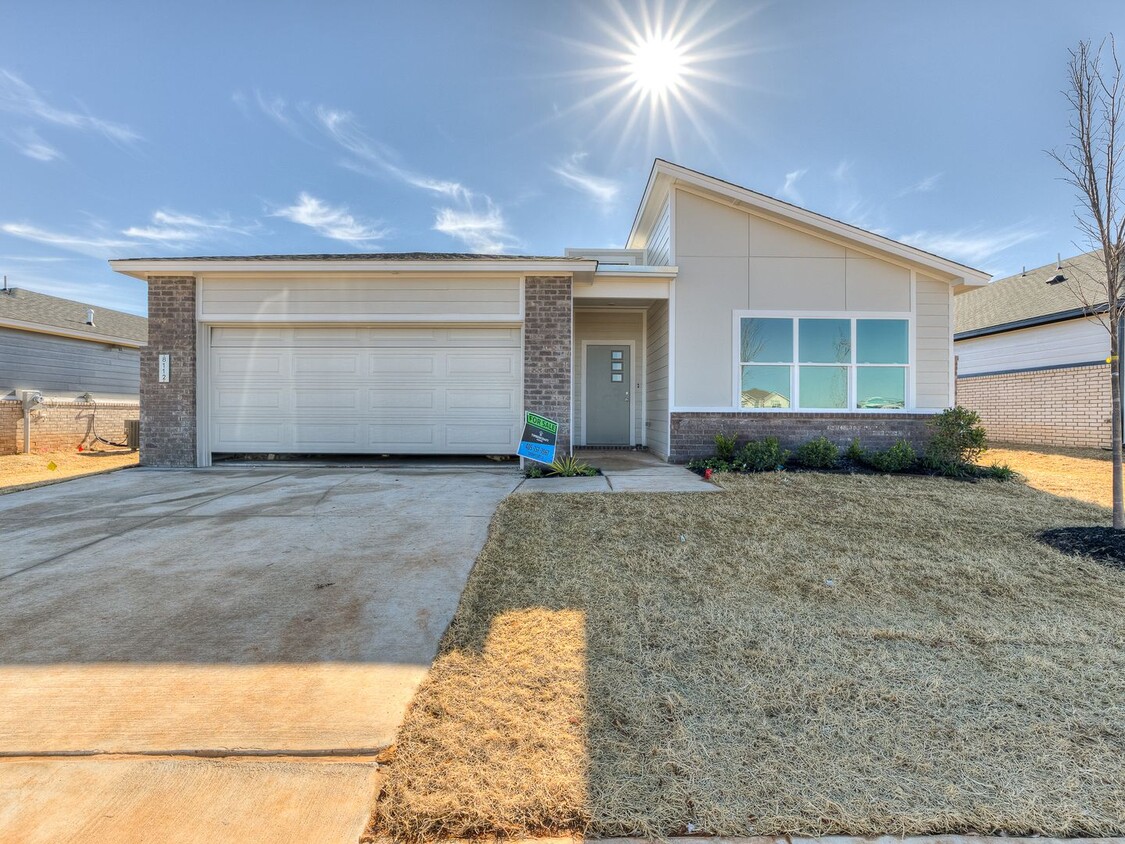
<point>365,390</point>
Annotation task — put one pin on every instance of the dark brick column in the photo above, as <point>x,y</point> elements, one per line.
<point>168,409</point>
<point>548,349</point>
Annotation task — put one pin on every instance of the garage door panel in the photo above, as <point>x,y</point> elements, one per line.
<point>413,390</point>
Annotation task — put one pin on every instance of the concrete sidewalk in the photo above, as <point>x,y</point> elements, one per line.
<point>623,471</point>
<point>151,617</point>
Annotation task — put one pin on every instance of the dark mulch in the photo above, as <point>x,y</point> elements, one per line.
<point>1103,544</point>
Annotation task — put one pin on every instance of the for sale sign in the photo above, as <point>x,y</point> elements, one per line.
<point>538,440</point>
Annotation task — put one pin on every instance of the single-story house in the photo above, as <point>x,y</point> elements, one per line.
<point>726,310</point>
<point>1032,361</point>
<point>64,351</point>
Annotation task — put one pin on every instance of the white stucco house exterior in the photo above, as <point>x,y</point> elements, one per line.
<point>725,310</point>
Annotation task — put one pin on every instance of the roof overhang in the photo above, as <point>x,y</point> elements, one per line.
<point>145,268</point>
<point>72,333</point>
<point>665,175</point>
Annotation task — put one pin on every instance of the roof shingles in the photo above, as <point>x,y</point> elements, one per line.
<point>51,312</point>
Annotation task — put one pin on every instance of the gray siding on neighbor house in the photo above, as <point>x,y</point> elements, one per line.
<point>61,366</point>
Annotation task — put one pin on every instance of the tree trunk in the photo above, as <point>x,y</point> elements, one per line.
<point>1115,392</point>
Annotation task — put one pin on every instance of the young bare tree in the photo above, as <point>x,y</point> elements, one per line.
<point>1090,161</point>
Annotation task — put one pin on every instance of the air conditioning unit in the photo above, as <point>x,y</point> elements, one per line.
<point>133,434</point>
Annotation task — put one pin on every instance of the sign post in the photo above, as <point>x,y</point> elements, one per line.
<point>538,440</point>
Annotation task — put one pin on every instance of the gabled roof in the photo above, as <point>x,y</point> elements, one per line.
<point>1023,300</point>
<point>27,310</point>
<point>665,174</point>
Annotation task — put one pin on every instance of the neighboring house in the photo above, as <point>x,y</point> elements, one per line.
<point>48,346</point>
<point>723,300</point>
<point>1031,361</point>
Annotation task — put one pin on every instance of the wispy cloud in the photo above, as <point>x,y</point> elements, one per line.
<point>789,189</point>
<point>28,142</point>
<point>97,245</point>
<point>482,231</point>
<point>334,222</point>
<point>573,173</point>
<point>173,227</point>
<point>922,185</point>
<point>974,246</point>
<point>17,97</point>
<point>471,217</point>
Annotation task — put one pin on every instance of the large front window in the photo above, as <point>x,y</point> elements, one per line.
<point>823,363</point>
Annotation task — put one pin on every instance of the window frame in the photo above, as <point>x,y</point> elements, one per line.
<point>852,366</point>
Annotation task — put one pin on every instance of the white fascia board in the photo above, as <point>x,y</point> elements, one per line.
<point>145,269</point>
<point>965,276</point>
<point>101,339</point>
<point>622,271</point>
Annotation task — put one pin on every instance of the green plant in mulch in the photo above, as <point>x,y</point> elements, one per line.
<point>571,467</point>
<point>715,464</point>
<point>957,441</point>
<point>900,457</point>
<point>819,453</point>
<point>762,456</point>
<point>725,446</point>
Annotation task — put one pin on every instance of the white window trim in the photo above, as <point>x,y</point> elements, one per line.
<point>736,363</point>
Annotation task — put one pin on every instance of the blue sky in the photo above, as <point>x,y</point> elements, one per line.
<point>137,129</point>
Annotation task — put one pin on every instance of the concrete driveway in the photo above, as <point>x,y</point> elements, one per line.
<point>217,654</point>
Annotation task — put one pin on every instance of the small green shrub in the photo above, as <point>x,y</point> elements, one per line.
<point>571,467</point>
<point>957,437</point>
<point>898,458</point>
<point>533,471</point>
<point>762,456</point>
<point>855,451</point>
<point>820,453</point>
<point>724,447</point>
<point>998,472</point>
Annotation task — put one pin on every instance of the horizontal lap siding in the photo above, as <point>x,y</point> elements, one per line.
<point>62,366</point>
<point>1069,342</point>
<point>656,380</point>
<point>309,299</point>
<point>658,253</point>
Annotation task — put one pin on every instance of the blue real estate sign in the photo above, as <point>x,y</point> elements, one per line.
<point>538,440</point>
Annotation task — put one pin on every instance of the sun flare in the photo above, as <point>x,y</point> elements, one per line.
<point>656,66</point>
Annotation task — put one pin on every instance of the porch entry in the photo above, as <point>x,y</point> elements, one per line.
<point>609,394</point>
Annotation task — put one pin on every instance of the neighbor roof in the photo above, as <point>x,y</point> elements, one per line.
<point>31,311</point>
<point>1027,299</point>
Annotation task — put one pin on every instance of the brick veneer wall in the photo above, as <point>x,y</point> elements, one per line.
<point>547,351</point>
<point>693,434</point>
<point>1060,407</point>
<point>168,410</point>
<point>64,425</point>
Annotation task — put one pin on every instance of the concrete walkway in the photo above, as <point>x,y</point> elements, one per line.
<point>623,471</point>
<point>277,619</point>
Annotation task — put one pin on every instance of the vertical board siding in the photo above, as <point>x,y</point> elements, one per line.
<point>599,326</point>
<point>932,327</point>
<point>656,380</point>
<point>659,250</point>
<point>61,366</point>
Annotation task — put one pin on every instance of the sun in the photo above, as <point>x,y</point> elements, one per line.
<point>656,66</point>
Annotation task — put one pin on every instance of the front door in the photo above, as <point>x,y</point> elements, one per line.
<point>609,373</point>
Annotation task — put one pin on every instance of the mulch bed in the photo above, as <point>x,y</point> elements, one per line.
<point>1103,544</point>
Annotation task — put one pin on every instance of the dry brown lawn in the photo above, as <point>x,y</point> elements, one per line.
<point>22,471</point>
<point>805,653</point>
<point>1085,474</point>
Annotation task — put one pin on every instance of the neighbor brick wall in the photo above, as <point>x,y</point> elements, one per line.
<point>58,425</point>
<point>168,410</point>
<point>693,434</point>
<point>547,350</point>
<point>1059,407</point>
